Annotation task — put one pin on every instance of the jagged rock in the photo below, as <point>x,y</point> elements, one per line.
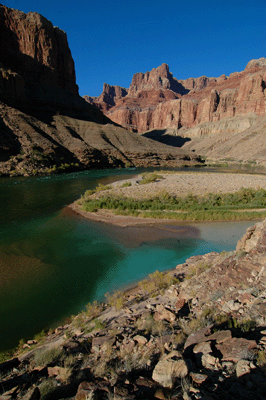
<point>163,314</point>
<point>193,102</point>
<point>166,371</point>
<point>204,348</point>
<point>198,337</point>
<point>37,52</point>
<point>220,336</point>
<point>37,85</point>
<point>208,360</point>
<point>242,368</point>
<point>236,349</point>
<point>99,342</point>
<point>86,391</point>
<point>180,303</point>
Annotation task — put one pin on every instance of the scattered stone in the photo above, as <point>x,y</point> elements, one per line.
<point>198,378</point>
<point>220,336</point>
<point>166,371</point>
<point>140,339</point>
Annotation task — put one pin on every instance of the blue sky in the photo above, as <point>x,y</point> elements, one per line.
<point>112,40</point>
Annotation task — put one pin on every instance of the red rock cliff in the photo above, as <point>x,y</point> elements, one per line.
<point>156,100</point>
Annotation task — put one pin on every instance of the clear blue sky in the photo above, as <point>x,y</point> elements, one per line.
<point>112,40</point>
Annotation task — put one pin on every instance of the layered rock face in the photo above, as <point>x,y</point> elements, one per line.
<point>35,58</point>
<point>156,100</point>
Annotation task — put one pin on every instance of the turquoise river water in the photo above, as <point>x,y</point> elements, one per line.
<point>53,262</point>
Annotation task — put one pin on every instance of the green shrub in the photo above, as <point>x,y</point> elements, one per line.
<point>149,177</point>
<point>126,184</point>
<point>44,357</point>
<point>93,310</point>
<point>157,281</point>
<point>261,358</point>
<point>47,387</point>
<point>116,299</point>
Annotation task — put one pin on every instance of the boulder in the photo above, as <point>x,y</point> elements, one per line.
<point>166,371</point>
<point>242,368</point>
<point>235,349</point>
<point>163,314</point>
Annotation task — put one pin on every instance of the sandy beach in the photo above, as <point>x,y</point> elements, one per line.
<point>174,183</point>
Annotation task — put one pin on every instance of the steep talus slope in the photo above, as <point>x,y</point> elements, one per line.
<point>45,125</point>
<point>57,143</point>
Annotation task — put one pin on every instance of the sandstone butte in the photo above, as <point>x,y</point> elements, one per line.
<point>194,332</point>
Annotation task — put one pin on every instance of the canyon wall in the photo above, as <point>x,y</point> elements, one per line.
<point>156,100</point>
<point>46,127</point>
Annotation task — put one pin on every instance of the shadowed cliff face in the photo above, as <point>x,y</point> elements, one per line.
<point>37,57</point>
<point>46,127</point>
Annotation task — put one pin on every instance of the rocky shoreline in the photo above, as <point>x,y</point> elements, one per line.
<point>196,332</point>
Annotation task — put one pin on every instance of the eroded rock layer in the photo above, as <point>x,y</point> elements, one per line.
<point>157,100</point>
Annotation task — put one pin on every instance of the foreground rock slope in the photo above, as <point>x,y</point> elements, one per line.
<point>196,332</point>
<point>45,125</point>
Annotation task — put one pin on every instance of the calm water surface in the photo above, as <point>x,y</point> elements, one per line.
<point>53,262</point>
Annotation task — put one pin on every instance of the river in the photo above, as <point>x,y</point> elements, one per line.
<point>53,262</point>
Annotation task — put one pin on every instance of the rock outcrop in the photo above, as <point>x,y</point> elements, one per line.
<point>110,95</point>
<point>213,346</point>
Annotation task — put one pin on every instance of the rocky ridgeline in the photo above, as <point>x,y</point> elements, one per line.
<point>157,100</point>
<point>196,332</point>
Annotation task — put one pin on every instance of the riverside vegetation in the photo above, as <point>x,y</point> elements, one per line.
<point>245,204</point>
<point>196,332</point>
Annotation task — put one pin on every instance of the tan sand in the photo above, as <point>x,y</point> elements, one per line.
<point>176,184</point>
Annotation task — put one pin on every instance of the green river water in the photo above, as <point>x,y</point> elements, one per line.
<point>53,262</point>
